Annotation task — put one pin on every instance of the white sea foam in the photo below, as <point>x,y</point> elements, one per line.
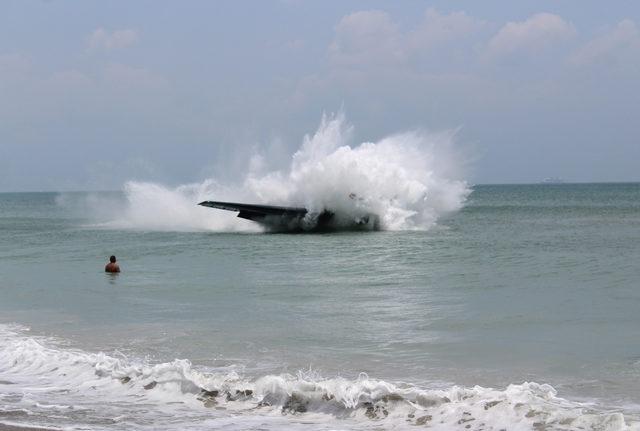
<point>408,181</point>
<point>56,386</point>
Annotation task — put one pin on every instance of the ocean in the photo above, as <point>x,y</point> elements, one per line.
<point>519,311</point>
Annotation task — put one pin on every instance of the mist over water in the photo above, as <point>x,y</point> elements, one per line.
<point>408,180</point>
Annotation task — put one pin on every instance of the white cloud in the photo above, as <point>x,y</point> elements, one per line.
<point>621,42</point>
<point>103,39</point>
<point>372,38</point>
<point>540,31</point>
<point>366,37</point>
<point>438,29</point>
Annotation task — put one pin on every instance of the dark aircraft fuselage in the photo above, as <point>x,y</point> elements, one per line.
<point>293,219</point>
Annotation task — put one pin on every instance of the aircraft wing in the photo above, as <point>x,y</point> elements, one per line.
<point>257,212</point>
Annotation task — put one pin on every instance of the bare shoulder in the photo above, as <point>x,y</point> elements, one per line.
<point>112,267</point>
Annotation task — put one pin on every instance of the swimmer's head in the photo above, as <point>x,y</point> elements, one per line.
<point>112,259</point>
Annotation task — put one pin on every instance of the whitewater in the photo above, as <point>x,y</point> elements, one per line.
<point>77,388</point>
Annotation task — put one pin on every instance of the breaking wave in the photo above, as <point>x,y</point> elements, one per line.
<point>46,384</point>
<point>408,181</point>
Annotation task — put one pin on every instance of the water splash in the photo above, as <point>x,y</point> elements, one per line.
<point>408,181</point>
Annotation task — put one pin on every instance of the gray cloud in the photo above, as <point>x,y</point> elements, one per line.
<point>117,39</point>
<point>539,32</point>
<point>367,37</point>
<point>372,38</point>
<point>620,44</point>
<point>535,95</point>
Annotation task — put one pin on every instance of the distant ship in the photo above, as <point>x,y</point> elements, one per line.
<point>552,180</point>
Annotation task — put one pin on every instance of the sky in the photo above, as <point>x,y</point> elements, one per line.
<point>96,93</point>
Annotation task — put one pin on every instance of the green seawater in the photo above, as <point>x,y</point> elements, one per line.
<point>526,283</point>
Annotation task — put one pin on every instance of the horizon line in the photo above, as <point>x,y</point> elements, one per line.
<point>470,185</point>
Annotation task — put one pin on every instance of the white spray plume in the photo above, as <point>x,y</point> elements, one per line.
<point>408,180</point>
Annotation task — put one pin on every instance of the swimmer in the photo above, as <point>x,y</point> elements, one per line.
<point>112,266</point>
